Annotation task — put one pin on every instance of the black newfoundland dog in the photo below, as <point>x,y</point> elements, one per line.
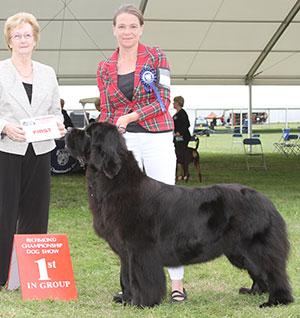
<point>151,225</point>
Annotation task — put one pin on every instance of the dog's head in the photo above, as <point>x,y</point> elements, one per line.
<point>99,145</point>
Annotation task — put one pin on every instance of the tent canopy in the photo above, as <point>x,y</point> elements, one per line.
<point>206,42</point>
<point>212,115</point>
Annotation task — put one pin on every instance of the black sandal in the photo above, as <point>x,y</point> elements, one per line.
<point>178,294</point>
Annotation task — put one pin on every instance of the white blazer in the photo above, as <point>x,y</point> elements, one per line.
<point>14,103</point>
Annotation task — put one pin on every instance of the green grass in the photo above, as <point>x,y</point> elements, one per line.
<point>212,287</point>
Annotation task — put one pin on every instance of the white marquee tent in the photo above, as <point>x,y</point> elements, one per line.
<point>232,42</point>
<point>206,41</point>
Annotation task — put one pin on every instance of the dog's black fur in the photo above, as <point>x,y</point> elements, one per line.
<point>151,225</point>
<point>185,156</point>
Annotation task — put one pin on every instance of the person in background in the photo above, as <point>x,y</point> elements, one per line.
<point>27,89</point>
<point>181,120</point>
<point>141,114</point>
<point>97,106</point>
<point>67,120</point>
<point>182,134</point>
<point>213,123</point>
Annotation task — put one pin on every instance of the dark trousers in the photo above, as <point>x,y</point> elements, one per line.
<point>24,200</point>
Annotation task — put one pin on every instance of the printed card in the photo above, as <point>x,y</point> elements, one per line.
<point>40,128</point>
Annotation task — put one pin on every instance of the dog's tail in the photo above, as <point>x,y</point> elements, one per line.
<point>197,143</point>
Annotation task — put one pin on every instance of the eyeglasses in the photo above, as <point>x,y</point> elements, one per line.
<point>18,36</point>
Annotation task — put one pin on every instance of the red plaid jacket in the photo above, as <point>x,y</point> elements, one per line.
<point>115,104</point>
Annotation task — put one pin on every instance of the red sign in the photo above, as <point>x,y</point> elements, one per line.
<point>41,264</point>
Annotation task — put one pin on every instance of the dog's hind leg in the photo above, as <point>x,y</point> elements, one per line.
<point>147,279</point>
<point>280,291</point>
<point>197,165</point>
<point>259,285</point>
<point>186,172</point>
<point>269,253</point>
<point>268,274</point>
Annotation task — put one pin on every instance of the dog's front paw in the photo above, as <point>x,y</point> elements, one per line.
<point>121,298</point>
<point>244,290</point>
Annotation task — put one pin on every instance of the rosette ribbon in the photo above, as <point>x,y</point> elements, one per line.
<point>148,79</point>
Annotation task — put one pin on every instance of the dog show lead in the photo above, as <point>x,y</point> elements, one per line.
<point>134,86</point>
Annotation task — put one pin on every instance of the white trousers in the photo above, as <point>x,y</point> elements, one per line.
<point>155,153</point>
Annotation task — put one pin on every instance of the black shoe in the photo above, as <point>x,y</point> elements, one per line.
<point>178,294</point>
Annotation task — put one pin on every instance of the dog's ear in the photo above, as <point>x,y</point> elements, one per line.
<point>105,150</point>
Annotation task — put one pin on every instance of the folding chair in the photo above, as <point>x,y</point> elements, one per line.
<point>278,145</point>
<point>254,155</point>
<point>236,139</point>
<point>291,146</point>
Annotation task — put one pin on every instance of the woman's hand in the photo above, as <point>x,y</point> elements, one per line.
<point>61,128</point>
<point>124,120</point>
<point>14,132</point>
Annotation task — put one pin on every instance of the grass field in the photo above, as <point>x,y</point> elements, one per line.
<point>212,287</point>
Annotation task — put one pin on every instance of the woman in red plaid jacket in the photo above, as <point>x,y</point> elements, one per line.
<point>134,85</point>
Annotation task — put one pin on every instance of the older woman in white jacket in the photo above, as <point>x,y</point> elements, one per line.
<point>27,89</point>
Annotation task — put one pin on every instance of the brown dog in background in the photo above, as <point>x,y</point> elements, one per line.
<point>185,156</point>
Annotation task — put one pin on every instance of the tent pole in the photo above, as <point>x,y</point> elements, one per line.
<point>143,6</point>
<point>250,110</point>
<point>241,121</point>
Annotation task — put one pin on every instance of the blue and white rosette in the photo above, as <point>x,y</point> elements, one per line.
<point>148,79</point>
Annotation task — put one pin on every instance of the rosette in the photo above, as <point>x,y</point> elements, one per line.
<point>148,79</point>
